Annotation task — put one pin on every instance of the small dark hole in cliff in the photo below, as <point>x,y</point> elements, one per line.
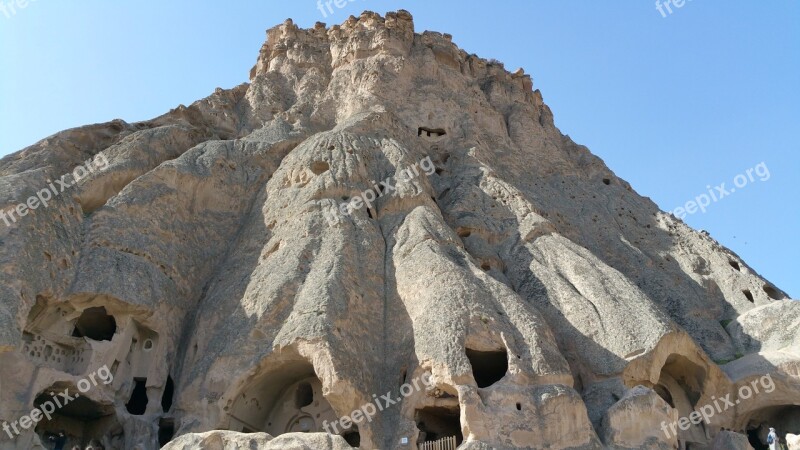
<point>353,438</point>
<point>369,213</point>
<point>772,292</point>
<point>438,423</point>
<point>734,264</point>
<point>519,406</point>
<point>755,439</point>
<point>486,266</point>
<point>430,132</point>
<point>487,367</point>
<point>749,295</point>
<point>606,181</point>
<point>166,397</point>
<point>319,167</point>
<point>439,171</point>
<point>166,431</point>
<point>95,324</point>
<point>304,395</point>
<point>137,404</point>
<point>464,232</point>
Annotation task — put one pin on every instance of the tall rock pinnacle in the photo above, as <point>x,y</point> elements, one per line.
<point>379,241</point>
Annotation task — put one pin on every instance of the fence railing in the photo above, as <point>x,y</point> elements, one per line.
<point>448,443</point>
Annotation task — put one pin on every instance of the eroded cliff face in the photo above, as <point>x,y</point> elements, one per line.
<point>494,278</point>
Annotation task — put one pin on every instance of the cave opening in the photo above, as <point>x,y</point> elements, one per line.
<point>755,441</point>
<point>436,423</point>
<point>487,367</point>
<point>283,400</point>
<point>137,404</point>
<point>166,431</point>
<point>430,132</point>
<point>784,418</point>
<point>82,420</point>
<point>681,384</point>
<point>352,437</point>
<point>169,392</point>
<point>96,324</point>
<point>304,395</point>
<point>772,292</point>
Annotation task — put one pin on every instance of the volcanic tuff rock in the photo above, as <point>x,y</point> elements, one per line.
<point>206,266</point>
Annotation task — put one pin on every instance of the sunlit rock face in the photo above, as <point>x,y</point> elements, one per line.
<point>382,227</point>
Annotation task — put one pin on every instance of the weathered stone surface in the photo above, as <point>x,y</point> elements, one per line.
<point>770,327</point>
<point>793,441</point>
<point>219,440</point>
<point>208,266</point>
<point>636,421</point>
<point>728,440</point>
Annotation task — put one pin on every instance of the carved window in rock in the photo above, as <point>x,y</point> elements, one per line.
<point>488,367</point>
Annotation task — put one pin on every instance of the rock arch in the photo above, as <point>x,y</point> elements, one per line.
<point>784,418</point>
<point>683,376</point>
<point>280,401</point>
<point>82,419</point>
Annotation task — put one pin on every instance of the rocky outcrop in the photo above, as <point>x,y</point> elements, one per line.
<point>793,441</point>
<point>224,440</point>
<point>380,241</point>
<point>638,420</point>
<point>727,440</point>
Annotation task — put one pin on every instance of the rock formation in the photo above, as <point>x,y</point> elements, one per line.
<point>380,241</point>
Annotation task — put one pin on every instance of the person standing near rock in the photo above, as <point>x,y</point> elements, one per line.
<point>59,439</point>
<point>94,444</point>
<point>772,440</point>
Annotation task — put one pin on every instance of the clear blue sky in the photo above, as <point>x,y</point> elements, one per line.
<point>672,104</point>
